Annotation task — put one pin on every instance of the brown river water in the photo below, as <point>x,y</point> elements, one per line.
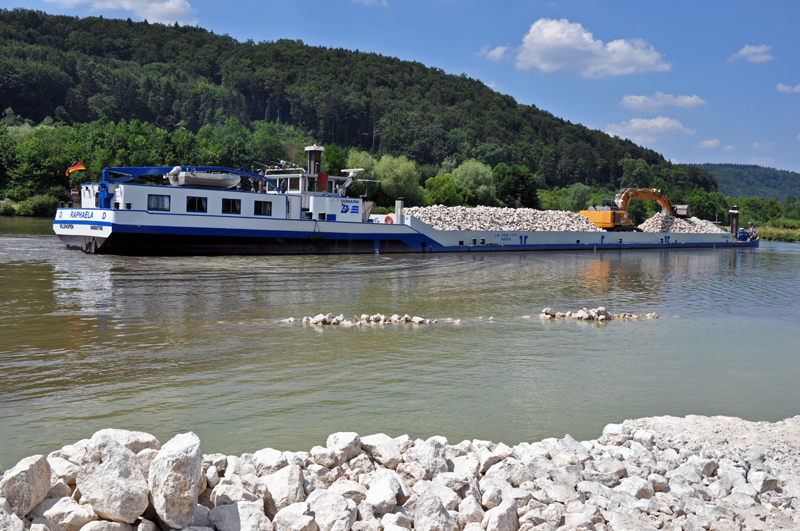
<point>167,345</point>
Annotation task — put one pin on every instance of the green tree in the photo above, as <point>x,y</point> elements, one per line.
<point>636,173</point>
<point>576,197</point>
<point>399,178</point>
<point>515,185</point>
<point>475,179</point>
<point>442,190</point>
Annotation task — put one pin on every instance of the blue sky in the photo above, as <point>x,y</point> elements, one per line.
<point>697,81</point>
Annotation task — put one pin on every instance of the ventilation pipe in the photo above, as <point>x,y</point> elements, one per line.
<point>398,211</point>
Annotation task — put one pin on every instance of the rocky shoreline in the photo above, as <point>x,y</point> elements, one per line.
<point>667,473</point>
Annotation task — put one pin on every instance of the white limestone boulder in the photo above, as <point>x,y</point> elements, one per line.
<point>135,441</point>
<point>285,488</point>
<point>501,518</point>
<point>11,522</point>
<point>26,485</point>
<point>430,455</point>
<point>69,515</point>
<point>431,515</point>
<point>347,442</point>
<point>331,511</point>
<point>382,449</point>
<point>174,479</point>
<point>268,461</point>
<point>352,490</point>
<point>469,510</point>
<point>294,517</point>
<point>105,525</point>
<point>383,494</point>
<point>111,480</point>
<point>63,469</point>
<point>324,456</point>
<point>637,487</point>
<point>241,516</point>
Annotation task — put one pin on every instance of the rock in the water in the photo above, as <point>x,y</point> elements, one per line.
<point>26,485</point>
<point>175,479</point>
<point>111,480</point>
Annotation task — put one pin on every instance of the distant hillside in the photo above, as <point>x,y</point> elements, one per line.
<point>71,70</point>
<point>742,180</point>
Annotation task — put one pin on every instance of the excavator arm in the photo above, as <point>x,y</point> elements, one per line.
<point>625,196</point>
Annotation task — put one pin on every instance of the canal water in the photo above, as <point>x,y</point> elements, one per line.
<point>167,345</point>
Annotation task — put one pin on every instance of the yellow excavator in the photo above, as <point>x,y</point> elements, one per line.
<point>612,215</point>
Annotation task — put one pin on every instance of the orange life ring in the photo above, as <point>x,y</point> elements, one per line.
<point>388,219</point>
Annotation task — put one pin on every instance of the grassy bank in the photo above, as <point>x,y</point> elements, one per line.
<point>779,235</point>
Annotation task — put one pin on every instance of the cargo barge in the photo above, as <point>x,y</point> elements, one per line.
<point>291,210</point>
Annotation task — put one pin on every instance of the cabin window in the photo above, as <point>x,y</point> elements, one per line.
<point>231,206</point>
<point>196,204</point>
<point>263,208</point>
<point>158,202</point>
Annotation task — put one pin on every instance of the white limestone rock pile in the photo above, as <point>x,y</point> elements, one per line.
<point>365,319</point>
<point>594,314</point>
<point>661,473</point>
<point>506,219</point>
<point>662,222</point>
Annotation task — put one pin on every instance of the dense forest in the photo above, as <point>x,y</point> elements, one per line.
<point>740,180</point>
<point>123,93</point>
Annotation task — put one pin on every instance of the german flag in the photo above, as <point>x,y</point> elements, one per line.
<point>77,165</point>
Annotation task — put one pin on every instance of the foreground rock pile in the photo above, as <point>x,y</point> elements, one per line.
<point>509,219</point>
<point>662,222</point>
<point>698,473</point>
<point>595,314</point>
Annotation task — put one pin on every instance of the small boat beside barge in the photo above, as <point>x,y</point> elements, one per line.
<point>291,210</point>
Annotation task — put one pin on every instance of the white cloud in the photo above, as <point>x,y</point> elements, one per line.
<point>645,131</point>
<point>659,99</point>
<point>763,161</point>
<point>163,11</point>
<point>497,54</point>
<point>382,3</point>
<point>729,148</point>
<point>552,45</point>
<point>493,54</point>
<point>763,145</point>
<point>798,137</point>
<point>788,89</point>
<point>754,54</point>
<point>709,144</point>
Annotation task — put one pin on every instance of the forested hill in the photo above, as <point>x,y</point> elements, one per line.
<point>741,180</point>
<point>71,70</point>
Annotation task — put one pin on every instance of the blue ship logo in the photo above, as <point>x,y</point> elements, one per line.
<point>345,209</point>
